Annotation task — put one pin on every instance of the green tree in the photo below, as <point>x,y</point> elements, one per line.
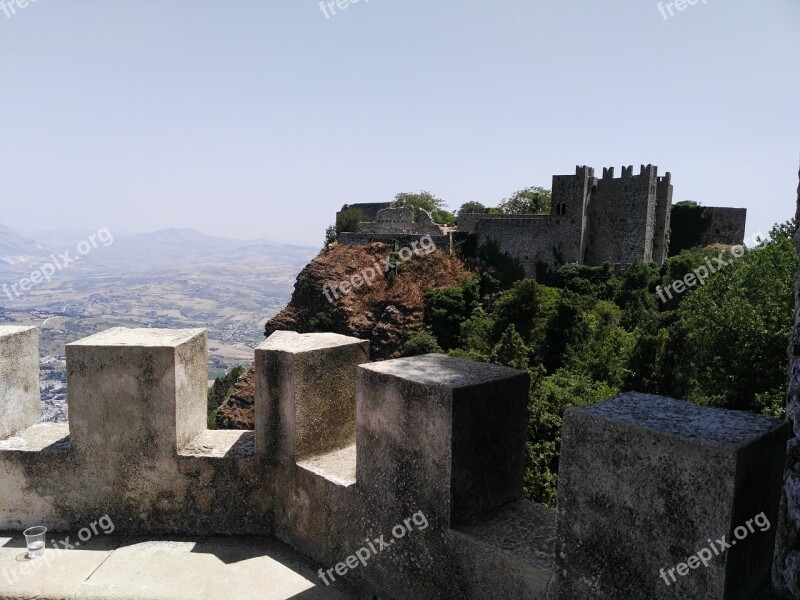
<point>330,236</point>
<point>520,306</point>
<point>443,217</point>
<point>600,282</point>
<point>427,202</point>
<point>446,309</point>
<point>605,354</point>
<point>472,207</point>
<point>476,334</point>
<point>550,397</point>
<point>348,220</point>
<point>424,200</point>
<point>636,293</point>
<point>566,328</point>
<point>511,350</point>
<point>737,326</point>
<point>532,200</point>
<point>420,342</point>
<point>220,392</point>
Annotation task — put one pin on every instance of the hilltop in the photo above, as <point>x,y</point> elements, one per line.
<point>383,313</point>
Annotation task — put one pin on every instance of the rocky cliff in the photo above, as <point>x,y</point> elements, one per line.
<point>383,312</point>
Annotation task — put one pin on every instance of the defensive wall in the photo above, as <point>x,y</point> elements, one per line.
<point>346,451</point>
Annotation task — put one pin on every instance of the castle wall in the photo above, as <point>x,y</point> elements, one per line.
<point>403,220</point>
<point>697,226</point>
<point>727,226</point>
<point>426,453</point>
<point>400,240</point>
<point>466,222</point>
<point>529,238</point>
<point>368,209</point>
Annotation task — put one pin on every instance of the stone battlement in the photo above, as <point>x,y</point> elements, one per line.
<point>345,451</point>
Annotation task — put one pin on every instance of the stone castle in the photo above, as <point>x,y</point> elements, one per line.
<point>621,221</point>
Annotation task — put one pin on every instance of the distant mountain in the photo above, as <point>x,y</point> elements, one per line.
<point>172,247</point>
<point>163,250</point>
<point>16,249</point>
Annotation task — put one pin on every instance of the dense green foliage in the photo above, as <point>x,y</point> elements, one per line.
<point>586,334</point>
<point>472,207</point>
<point>219,393</point>
<point>533,200</point>
<point>420,342</point>
<point>348,221</point>
<point>689,222</point>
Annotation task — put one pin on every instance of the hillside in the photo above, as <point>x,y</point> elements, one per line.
<point>383,313</point>
<point>16,249</point>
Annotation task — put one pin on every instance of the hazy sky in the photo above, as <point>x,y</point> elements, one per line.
<point>261,118</point>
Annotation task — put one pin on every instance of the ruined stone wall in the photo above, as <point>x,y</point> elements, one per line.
<point>399,240</point>
<point>368,209</point>
<point>406,220</point>
<point>694,225</point>
<point>726,226</point>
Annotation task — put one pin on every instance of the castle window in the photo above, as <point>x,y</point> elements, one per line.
<point>561,209</point>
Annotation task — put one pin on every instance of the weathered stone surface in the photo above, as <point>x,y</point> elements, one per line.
<point>155,379</point>
<point>431,445</point>
<point>306,409</point>
<point>136,446</point>
<point>404,220</point>
<point>786,571</point>
<point>309,403</point>
<point>20,403</point>
<point>435,425</point>
<point>646,481</point>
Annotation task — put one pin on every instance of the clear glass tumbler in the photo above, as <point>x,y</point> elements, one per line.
<point>35,538</point>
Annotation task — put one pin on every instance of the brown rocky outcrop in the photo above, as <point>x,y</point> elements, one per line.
<point>382,313</point>
<point>237,411</point>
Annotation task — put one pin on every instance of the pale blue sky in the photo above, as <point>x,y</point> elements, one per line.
<point>260,119</point>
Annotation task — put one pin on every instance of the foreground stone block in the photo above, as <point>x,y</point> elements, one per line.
<point>137,392</point>
<point>648,487</point>
<point>20,403</point>
<point>305,394</point>
<point>448,433</point>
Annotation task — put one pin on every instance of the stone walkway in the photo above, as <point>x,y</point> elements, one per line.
<point>131,568</point>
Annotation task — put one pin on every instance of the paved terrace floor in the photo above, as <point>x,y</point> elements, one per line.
<point>134,568</point>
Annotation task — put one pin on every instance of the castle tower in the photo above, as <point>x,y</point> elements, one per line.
<point>661,232</point>
<point>569,213</point>
<point>622,218</point>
